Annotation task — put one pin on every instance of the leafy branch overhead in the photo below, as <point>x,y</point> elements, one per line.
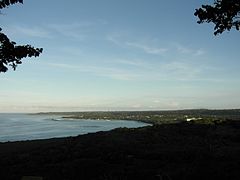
<point>225,14</point>
<point>10,53</point>
<point>5,3</point>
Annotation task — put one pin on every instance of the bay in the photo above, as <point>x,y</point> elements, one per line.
<point>17,127</point>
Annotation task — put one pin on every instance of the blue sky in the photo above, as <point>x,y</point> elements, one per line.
<point>119,55</point>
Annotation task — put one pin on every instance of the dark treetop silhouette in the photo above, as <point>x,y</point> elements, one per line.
<point>10,53</point>
<point>225,14</point>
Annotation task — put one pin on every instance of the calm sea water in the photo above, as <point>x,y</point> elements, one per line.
<point>15,127</point>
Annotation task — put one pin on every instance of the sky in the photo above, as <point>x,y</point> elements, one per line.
<point>119,55</point>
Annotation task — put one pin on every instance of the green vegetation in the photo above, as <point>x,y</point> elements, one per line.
<point>158,117</point>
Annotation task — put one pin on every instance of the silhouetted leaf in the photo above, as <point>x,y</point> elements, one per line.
<point>10,54</point>
<point>224,14</point>
<point>5,3</point>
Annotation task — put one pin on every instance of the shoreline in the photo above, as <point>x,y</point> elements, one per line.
<point>45,127</point>
<point>178,151</point>
<point>155,117</point>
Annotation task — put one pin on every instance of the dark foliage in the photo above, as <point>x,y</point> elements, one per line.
<point>223,13</point>
<point>5,3</point>
<point>182,151</point>
<point>10,53</point>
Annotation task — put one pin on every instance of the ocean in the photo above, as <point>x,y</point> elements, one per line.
<point>18,127</point>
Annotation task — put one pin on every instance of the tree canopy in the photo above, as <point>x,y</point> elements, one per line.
<point>10,53</point>
<point>5,3</point>
<point>225,14</point>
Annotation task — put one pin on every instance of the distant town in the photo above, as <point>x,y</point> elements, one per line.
<point>204,116</point>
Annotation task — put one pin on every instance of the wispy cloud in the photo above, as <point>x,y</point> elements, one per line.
<point>75,30</point>
<point>152,47</point>
<point>189,51</point>
<point>181,70</point>
<point>199,52</point>
<point>146,48</point>
<point>115,39</point>
<point>174,71</point>
<point>36,31</point>
<point>109,72</point>
<point>140,69</point>
<point>136,63</point>
<point>143,46</point>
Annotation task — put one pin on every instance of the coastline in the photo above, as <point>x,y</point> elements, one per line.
<point>176,151</point>
<point>155,117</point>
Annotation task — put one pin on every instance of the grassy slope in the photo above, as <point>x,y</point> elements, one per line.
<point>169,151</point>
